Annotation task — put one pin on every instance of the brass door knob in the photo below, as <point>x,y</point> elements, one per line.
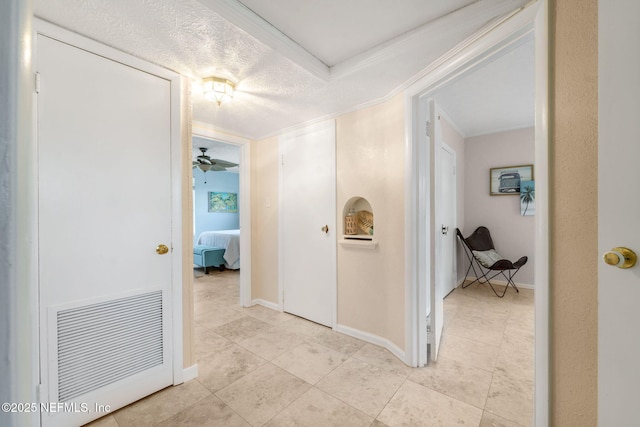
<point>162,249</point>
<point>325,229</point>
<point>620,257</point>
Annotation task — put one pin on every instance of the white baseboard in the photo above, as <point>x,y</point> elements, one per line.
<point>373,339</point>
<point>504,283</point>
<point>267,304</point>
<point>364,336</point>
<point>190,373</point>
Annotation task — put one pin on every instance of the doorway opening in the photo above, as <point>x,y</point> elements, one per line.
<point>222,209</point>
<point>216,223</point>
<point>487,116</point>
<point>421,225</point>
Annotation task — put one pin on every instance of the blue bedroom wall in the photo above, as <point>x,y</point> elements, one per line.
<point>226,182</point>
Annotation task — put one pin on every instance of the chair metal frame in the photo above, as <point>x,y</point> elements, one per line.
<point>480,240</point>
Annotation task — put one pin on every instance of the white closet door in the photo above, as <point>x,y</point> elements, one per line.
<point>618,212</point>
<point>308,222</point>
<point>104,206</point>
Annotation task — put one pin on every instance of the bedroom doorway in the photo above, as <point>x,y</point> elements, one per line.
<point>530,21</point>
<point>216,186</point>
<point>221,207</point>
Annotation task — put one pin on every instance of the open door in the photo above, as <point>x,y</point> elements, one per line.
<point>446,208</point>
<point>618,211</point>
<point>443,220</point>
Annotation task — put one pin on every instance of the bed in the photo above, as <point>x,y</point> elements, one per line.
<point>227,239</point>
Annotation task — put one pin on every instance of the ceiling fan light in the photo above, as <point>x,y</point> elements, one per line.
<point>204,167</point>
<point>218,89</point>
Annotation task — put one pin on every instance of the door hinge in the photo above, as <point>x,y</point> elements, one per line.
<point>39,393</point>
<point>37,83</point>
<point>428,129</point>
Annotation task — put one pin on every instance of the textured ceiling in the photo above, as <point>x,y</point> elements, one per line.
<point>276,89</point>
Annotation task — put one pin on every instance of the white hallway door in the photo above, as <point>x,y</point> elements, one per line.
<point>308,222</point>
<point>104,198</point>
<point>618,211</point>
<point>447,207</point>
<point>443,167</point>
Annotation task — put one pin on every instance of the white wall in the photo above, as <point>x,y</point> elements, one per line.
<point>513,234</point>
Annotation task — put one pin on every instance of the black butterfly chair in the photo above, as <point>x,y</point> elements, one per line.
<point>483,256</point>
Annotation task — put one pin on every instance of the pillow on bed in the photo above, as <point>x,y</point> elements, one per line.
<point>487,258</point>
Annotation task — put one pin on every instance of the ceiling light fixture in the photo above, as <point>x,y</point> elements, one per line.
<point>203,167</point>
<point>218,89</point>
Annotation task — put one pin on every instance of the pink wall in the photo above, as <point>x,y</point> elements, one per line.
<point>513,234</point>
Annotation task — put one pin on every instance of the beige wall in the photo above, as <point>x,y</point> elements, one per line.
<point>512,233</point>
<point>264,220</point>
<point>370,158</point>
<point>188,353</point>
<point>574,204</point>
<point>370,164</point>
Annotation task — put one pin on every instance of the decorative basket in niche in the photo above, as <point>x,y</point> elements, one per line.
<point>365,222</point>
<point>351,223</point>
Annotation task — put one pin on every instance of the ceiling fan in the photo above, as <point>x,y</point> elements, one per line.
<point>206,163</point>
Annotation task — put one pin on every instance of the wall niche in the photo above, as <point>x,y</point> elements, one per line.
<point>357,223</point>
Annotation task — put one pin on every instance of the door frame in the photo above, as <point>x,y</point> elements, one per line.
<point>207,131</point>
<point>18,301</point>
<point>466,57</point>
<point>81,42</point>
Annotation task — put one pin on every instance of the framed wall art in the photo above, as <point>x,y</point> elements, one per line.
<point>505,181</point>
<point>223,202</point>
<point>527,198</point>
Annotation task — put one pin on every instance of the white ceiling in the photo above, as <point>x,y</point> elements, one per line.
<point>496,97</point>
<point>334,31</point>
<point>293,60</point>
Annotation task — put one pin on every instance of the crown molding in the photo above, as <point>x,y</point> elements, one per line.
<point>481,12</point>
<point>518,24</point>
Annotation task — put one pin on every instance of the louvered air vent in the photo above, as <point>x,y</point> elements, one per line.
<point>100,344</point>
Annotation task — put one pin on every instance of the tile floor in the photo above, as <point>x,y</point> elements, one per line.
<point>261,367</point>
